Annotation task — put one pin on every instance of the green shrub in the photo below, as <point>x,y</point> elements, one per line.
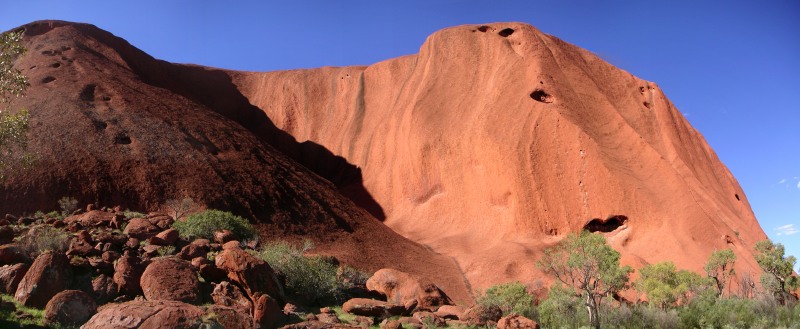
<point>68,205</point>
<point>312,278</point>
<point>43,238</point>
<point>133,214</point>
<point>562,309</point>
<point>166,250</point>
<point>204,224</point>
<point>510,297</point>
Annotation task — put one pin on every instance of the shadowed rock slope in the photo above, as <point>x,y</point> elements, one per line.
<point>111,125</point>
<point>492,143</point>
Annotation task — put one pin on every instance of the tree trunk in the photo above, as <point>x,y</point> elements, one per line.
<point>591,307</point>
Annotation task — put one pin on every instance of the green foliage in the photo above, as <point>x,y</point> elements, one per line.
<point>665,287</point>
<point>738,313</point>
<point>719,268</point>
<point>778,277</point>
<point>312,278</point>
<point>639,316</point>
<point>166,250</point>
<point>43,238</point>
<point>13,127</point>
<point>13,137</point>
<point>13,319</point>
<point>587,264</point>
<point>510,298</point>
<point>562,309</point>
<point>133,214</point>
<point>12,82</point>
<point>204,224</point>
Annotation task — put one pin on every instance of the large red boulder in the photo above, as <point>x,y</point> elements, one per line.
<point>168,237</point>
<point>251,273</point>
<point>171,278</point>
<point>198,248</point>
<point>371,307</point>
<point>147,314</point>
<point>91,218</point>
<point>401,288</point>
<point>10,276</point>
<point>141,228</point>
<point>10,254</point>
<point>127,273</point>
<point>266,311</point>
<point>227,294</point>
<point>516,321</point>
<point>47,276</point>
<point>69,307</point>
<point>104,289</point>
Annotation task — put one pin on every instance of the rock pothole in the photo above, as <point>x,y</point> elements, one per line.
<point>122,139</point>
<point>607,225</point>
<point>506,32</point>
<point>48,79</point>
<point>540,95</point>
<point>87,93</point>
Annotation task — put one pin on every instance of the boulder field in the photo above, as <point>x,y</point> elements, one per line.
<point>460,163</point>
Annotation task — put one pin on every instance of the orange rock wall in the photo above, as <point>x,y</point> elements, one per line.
<point>488,147</point>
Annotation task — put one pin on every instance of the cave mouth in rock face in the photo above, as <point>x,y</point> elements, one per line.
<point>610,224</point>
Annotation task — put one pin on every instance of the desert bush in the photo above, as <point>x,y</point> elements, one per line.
<point>43,238</point>
<point>639,316</point>
<point>562,309</point>
<point>204,224</point>
<point>133,214</point>
<point>68,205</point>
<point>312,278</point>
<point>166,250</point>
<point>510,297</point>
<point>350,277</point>
<point>180,208</point>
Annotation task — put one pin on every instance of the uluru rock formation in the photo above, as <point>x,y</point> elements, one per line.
<point>492,143</point>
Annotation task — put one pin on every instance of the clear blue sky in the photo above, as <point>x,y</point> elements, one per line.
<point>733,67</point>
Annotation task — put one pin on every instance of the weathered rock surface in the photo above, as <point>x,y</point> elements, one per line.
<point>70,307</point>
<point>163,314</point>
<point>145,131</point>
<point>227,294</point>
<point>372,307</point>
<point>516,321</point>
<point>10,276</point>
<point>546,138</point>
<point>171,278</point>
<point>104,289</point>
<point>401,288</point>
<point>252,274</point>
<point>46,277</point>
<point>127,273</point>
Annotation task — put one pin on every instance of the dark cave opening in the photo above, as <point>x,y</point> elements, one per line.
<point>610,224</point>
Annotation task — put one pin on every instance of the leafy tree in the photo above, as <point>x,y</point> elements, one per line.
<point>719,268</point>
<point>510,297</point>
<point>13,127</point>
<point>591,267</point>
<point>12,81</point>
<point>778,274</point>
<point>665,287</point>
